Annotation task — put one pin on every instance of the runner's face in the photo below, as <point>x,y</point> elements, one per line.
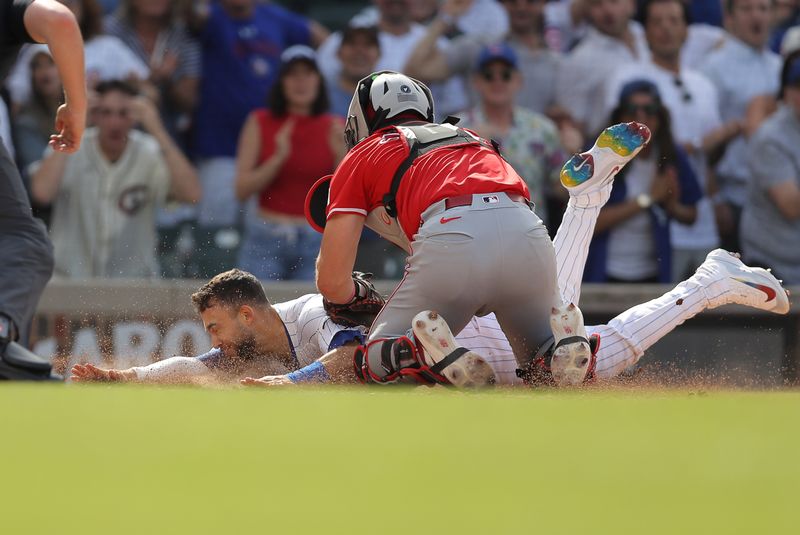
<point>228,330</point>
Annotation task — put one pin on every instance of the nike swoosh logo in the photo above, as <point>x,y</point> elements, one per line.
<point>448,219</point>
<point>584,161</point>
<point>766,289</point>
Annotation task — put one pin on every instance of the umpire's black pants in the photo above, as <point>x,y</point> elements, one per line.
<point>26,255</point>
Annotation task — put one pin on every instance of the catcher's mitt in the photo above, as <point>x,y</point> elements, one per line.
<point>362,309</point>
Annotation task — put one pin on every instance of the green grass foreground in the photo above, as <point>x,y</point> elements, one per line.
<point>111,459</point>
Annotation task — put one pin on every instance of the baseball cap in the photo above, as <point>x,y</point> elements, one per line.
<point>353,30</point>
<point>791,41</point>
<point>638,86</point>
<point>497,52</point>
<point>298,53</point>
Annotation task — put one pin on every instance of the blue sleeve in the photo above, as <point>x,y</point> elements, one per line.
<point>343,337</point>
<point>212,359</point>
<point>618,191</point>
<point>206,35</point>
<point>313,373</point>
<point>296,28</point>
<point>690,187</point>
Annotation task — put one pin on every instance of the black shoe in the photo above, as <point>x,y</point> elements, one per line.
<point>19,364</point>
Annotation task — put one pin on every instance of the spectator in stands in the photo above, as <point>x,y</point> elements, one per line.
<point>480,17</point>
<point>241,45</point>
<point>106,56</point>
<point>700,11</point>
<point>398,35</point>
<point>537,64</point>
<point>104,196</point>
<point>743,70</point>
<point>771,214</point>
<point>694,113</point>
<point>33,123</point>
<point>632,236</point>
<point>613,40</point>
<point>282,151</point>
<point>786,16</point>
<point>564,23</point>
<point>528,140</point>
<point>358,53</point>
<point>155,33</point>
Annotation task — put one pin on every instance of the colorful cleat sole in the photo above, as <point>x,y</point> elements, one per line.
<point>614,148</point>
<point>625,139</point>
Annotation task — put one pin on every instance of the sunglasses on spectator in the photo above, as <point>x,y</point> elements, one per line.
<point>649,109</point>
<point>504,75</point>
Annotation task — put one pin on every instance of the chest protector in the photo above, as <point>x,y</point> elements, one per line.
<point>421,140</point>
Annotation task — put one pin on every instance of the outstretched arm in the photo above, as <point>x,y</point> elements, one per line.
<point>335,367</point>
<point>89,373</point>
<point>48,21</point>
<point>172,370</point>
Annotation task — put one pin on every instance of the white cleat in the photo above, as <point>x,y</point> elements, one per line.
<point>572,356</point>
<point>727,280</point>
<point>467,370</point>
<point>615,147</point>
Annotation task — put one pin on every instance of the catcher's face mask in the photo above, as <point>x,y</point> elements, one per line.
<point>381,97</point>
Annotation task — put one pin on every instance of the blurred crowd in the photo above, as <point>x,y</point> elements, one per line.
<point>210,120</point>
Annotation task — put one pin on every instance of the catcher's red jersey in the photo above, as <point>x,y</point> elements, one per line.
<point>365,176</point>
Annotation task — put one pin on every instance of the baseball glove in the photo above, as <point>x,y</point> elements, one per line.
<point>362,309</point>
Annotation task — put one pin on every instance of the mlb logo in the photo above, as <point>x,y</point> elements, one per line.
<point>491,199</point>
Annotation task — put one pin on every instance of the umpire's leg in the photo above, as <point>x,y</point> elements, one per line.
<point>27,255</point>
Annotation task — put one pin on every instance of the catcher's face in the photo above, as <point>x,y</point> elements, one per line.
<point>230,329</point>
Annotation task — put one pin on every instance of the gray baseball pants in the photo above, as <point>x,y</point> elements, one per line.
<point>492,256</point>
<point>27,255</point>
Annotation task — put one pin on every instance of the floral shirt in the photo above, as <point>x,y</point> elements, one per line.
<point>533,148</point>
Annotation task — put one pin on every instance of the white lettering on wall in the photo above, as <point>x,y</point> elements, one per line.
<point>177,334</point>
<point>135,343</point>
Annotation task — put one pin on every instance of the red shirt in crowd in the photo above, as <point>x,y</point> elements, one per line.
<point>310,157</point>
<point>365,176</point>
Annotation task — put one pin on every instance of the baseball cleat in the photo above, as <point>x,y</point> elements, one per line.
<point>572,360</point>
<point>727,280</point>
<point>615,147</point>
<point>467,369</point>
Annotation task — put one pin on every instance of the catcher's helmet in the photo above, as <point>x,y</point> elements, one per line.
<point>384,98</point>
